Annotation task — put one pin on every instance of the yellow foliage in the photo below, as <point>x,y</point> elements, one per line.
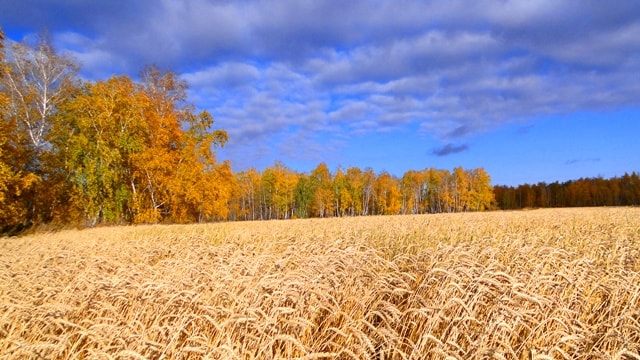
<point>12,188</point>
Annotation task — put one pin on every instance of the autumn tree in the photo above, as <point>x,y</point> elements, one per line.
<point>154,167</point>
<point>460,189</point>
<point>303,194</point>
<point>341,194</point>
<point>135,153</point>
<point>37,81</point>
<point>481,195</point>
<point>268,193</point>
<point>413,187</point>
<point>95,137</point>
<point>368,191</point>
<point>12,185</point>
<point>322,203</point>
<point>355,184</point>
<point>201,190</point>
<point>388,199</point>
<point>438,192</point>
<point>245,205</point>
<point>14,180</point>
<point>286,180</point>
<point>176,176</point>
<point>178,167</point>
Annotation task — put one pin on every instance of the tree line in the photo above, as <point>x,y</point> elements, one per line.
<point>280,193</point>
<point>124,151</point>
<point>616,191</point>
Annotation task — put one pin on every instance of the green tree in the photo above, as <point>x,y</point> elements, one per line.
<point>303,196</point>
<point>355,184</point>
<point>95,136</point>
<point>341,194</point>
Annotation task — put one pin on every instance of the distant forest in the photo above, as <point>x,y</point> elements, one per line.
<point>616,191</point>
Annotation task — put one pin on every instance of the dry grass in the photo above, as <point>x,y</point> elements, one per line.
<point>544,284</point>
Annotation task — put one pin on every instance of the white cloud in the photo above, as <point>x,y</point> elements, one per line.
<point>226,75</point>
<point>279,72</point>
<point>95,60</point>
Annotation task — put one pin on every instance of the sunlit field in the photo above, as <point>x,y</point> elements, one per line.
<point>540,284</point>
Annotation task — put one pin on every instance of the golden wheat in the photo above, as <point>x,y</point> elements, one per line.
<point>544,284</point>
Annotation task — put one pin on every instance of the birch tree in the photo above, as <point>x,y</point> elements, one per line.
<point>14,183</point>
<point>36,82</point>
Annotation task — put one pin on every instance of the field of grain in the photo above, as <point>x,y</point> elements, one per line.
<point>542,284</point>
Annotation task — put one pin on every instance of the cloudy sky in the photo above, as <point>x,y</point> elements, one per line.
<point>531,90</point>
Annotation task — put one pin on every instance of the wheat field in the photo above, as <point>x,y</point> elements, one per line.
<point>540,284</point>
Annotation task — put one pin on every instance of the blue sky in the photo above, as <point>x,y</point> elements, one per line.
<point>531,90</point>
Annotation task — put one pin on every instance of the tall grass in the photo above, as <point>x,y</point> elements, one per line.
<point>544,284</point>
